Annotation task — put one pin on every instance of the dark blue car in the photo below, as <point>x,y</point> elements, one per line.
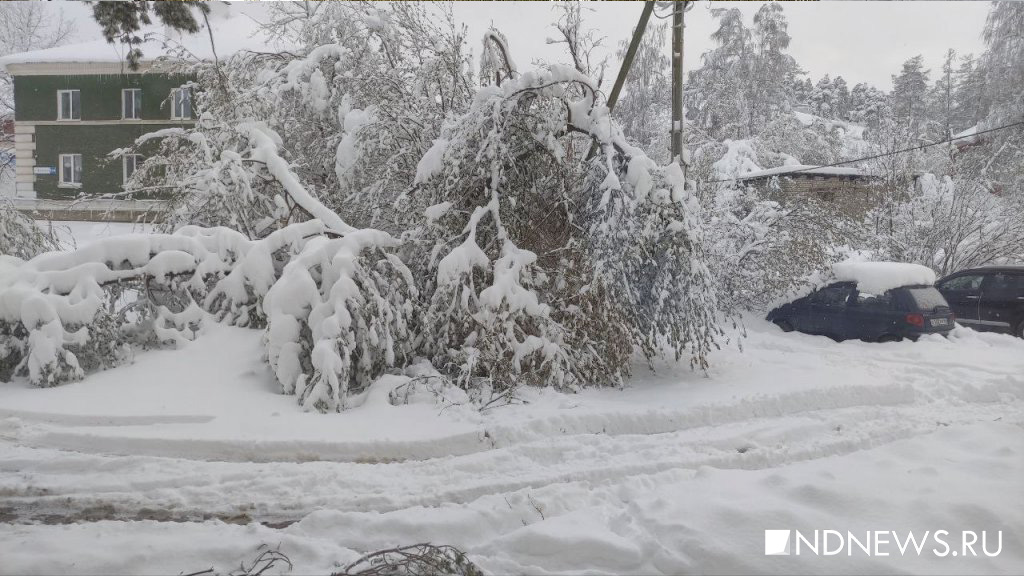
<point>990,299</point>
<point>842,312</point>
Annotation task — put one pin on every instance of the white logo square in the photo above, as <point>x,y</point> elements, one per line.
<point>776,542</point>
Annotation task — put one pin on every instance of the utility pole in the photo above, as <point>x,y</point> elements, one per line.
<point>678,7</point>
<point>677,136</point>
<point>627,62</point>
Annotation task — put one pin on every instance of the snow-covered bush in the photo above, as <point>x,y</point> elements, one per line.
<point>207,180</point>
<point>950,224</point>
<point>339,317</point>
<point>761,244</point>
<point>541,267</point>
<point>760,250</point>
<point>19,234</point>
<point>63,313</point>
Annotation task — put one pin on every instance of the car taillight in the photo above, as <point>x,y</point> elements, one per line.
<point>915,320</point>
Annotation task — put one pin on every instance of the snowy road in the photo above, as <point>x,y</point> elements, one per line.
<point>677,474</point>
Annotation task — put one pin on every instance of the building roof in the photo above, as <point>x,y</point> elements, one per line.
<point>805,170</point>
<point>967,138</point>
<point>973,130</point>
<point>232,34</point>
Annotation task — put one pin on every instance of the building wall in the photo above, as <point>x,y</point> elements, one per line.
<point>40,138</point>
<point>855,197</point>
<point>35,97</point>
<point>100,174</point>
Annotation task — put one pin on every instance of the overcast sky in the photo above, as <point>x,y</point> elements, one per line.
<point>861,41</point>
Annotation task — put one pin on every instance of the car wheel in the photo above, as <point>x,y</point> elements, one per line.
<point>889,338</point>
<point>784,325</point>
<point>1019,332</point>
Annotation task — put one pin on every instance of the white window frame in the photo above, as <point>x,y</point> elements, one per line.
<point>136,160</point>
<point>136,99</point>
<point>174,104</point>
<point>60,171</point>
<point>60,108</point>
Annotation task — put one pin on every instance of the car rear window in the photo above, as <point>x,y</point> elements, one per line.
<point>926,298</point>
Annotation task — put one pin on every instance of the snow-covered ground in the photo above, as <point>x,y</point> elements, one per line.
<point>189,459</point>
<point>77,234</point>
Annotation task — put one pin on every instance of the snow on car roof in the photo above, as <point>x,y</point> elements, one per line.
<point>878,277</point>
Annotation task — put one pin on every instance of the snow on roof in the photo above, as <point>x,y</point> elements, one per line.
<point>878,277</point>
<point>804,169</point>
<point>967,137</point>
<point>805,118</point>
<point>231,33</point>
<point>969,132</point>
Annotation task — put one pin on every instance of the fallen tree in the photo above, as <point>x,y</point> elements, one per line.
<point>508,258</point>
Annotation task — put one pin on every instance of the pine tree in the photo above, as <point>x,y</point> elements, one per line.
<point>1004,59</point>
<point>909,95</point>
<point>858,101</point>
<point>719,87</point>
<point>969,84</point>
<point>802,90</point>
<point>841,99</point>
<point>1003,69</point>
<point>771,87</point>
<point>121,21</point>
<point>942,97</point>
<point>823,98</point>
<point>866,105</point>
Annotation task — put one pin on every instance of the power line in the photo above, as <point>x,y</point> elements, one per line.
<point>876,156</point>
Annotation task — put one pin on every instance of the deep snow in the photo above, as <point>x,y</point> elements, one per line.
<point>678,473</point>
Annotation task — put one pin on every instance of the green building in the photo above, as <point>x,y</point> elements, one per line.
<point>75,104</point>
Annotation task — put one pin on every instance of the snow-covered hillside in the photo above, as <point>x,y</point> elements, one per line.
<point>190,459</point>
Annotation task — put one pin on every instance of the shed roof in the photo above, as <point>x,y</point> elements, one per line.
<point>806,170</point>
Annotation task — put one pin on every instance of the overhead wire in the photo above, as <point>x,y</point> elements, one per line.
<point>883,155</point>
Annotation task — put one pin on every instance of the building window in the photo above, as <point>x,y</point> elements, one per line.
<point>181,104</point>
<point>131,104</point>
<point>130,163</point>
<point>70,170</point>
<point>69,105</point>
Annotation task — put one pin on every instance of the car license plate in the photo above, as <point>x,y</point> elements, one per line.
<point>939,321</point>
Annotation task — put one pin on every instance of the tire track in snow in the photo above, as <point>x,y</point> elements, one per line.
<point>118,441</point>
<point>195,491</point>
<point>919,385</point>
